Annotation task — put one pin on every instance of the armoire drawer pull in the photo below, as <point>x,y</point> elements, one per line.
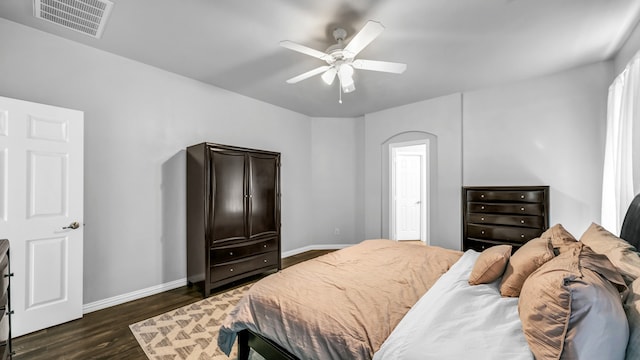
<point>265,260</point>
<point>231,253</point>
<point>231,269</point>
<point>521,221</point>
<point>521,196</point>
<point>521,209</point>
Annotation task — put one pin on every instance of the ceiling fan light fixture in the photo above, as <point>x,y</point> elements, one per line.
<point>345,74</point>
<point>329,75</point>
<point>347,88</point>
<point>341,60</point>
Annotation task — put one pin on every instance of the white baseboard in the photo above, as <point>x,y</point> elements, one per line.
<point>314,247</point>
<point>134,295</point>
<point>139,294</point>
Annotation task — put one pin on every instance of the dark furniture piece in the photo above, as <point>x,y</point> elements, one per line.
<point>630,230</point>
<point>233,214</point>
<point>268,349</point>
<point>5,301</point>
<point>503,215</point>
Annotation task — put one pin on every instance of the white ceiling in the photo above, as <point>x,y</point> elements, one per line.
<point>448,45</point>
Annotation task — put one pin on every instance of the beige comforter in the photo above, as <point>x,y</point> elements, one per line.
<point>342,305</point>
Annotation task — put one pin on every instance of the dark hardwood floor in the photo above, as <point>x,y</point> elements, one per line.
<point>105,334</point>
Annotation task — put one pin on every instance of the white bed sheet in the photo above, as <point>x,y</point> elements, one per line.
<point>455,320</point>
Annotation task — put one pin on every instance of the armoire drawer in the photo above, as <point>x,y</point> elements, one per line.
<point>506,208</point>
<point>232,252</point>
<point>232,268</point>
<point>530,221</point>
<point>503,233</point>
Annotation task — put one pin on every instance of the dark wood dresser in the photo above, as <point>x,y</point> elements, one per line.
<point>5,301</point>
<point>497,215</point>
<point>233,214</point>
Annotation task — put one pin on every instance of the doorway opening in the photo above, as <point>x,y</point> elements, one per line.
<point>409,190</point>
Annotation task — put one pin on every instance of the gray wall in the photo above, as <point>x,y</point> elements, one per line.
<point>334,167</point>
<point>441,117</point>
<point>630,48</point>
<point>138,121</point>
<point>544,131</point>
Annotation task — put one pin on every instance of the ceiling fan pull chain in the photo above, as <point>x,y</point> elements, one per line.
<point>340,92</point>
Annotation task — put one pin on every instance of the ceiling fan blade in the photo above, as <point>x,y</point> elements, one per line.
<point>303,49</point>
<point>308,74</point>
<point>364,37</point>
<point>384,66</point>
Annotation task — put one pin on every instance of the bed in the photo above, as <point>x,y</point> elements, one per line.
<point>384,300</point>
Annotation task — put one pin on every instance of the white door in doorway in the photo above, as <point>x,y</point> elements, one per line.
<point>408,188</point>
<point>41,210</point>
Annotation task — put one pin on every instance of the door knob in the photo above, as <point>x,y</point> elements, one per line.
<point>74,225</point>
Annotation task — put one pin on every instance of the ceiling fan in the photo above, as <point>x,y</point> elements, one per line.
<point>341,60</point>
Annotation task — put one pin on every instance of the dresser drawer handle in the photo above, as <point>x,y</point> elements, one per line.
<point>482,219</point>
<point>521,196</point>
<point>482,232</point>
<point>522,236</point>
<point>481,195</point>
<point>265,245</point>
<point>231,269</point>
<point>521,221</point>
<point>521,209</point>
<point>230,253</point>
<point>265,260</point>
<point>482,207</point>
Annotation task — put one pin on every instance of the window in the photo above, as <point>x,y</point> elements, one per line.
<point>619,184</point>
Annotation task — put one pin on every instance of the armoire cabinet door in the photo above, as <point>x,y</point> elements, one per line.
<point>228,203</point>
<point>263,187</point>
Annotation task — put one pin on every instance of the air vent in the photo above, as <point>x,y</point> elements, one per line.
<point>85,16</point>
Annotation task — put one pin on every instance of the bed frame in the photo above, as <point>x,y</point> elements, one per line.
<point>248,339</point>
<point>268,349</point>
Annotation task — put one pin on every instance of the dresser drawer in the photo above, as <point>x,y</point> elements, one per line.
<point>238,251</point>
<point>506,208</point>
<point>536,222</point>
<point>502,233</point>
<point>232,268</point>
<point>531,196</point>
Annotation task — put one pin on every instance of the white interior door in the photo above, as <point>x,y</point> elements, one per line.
<point>408,195</point>
<point>41,195</point>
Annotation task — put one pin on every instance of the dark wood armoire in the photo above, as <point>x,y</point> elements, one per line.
<point>233,214</point>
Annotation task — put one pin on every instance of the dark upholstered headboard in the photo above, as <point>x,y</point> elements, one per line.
<point>631,225</point>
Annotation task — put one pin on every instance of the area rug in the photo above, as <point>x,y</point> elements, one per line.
<point>189,332</point>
